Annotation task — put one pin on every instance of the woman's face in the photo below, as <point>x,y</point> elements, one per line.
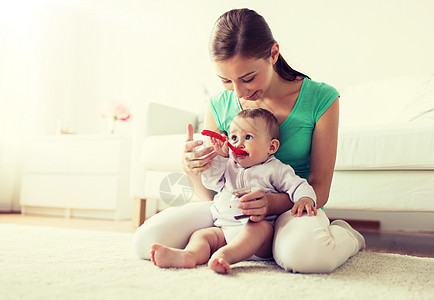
<point>250,78</point>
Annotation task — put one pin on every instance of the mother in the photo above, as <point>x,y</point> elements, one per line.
<point>254,74</point>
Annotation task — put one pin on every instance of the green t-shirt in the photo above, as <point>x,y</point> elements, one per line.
<point>296,131</point>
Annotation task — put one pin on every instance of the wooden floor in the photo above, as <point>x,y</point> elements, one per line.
<point>416,244</point>
<point>77,223</point>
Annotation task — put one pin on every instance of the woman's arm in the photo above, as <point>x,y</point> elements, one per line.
<point>278,203</point>
<point>259,204</point>
<point>323,153</point>
<point>195,162</point>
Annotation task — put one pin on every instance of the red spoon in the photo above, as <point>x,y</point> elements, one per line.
<point>223,139</point>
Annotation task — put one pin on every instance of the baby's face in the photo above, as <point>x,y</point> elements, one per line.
<point>252,136</point>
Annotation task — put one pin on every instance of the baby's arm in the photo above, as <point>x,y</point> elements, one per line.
<point>213,178</point>
<point>299,190</point>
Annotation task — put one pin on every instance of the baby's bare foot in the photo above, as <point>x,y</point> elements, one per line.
<point>166,257</point>
<point>219,265</point>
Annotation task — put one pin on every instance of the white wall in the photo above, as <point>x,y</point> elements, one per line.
<point>346,42</point>
<point>64,59</point>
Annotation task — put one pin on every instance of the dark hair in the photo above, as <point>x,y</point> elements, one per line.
<point>244,32</point>
<point>266,115</point>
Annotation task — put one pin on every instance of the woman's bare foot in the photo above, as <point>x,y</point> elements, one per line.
<point>166,257</point>
<point>219,265</point>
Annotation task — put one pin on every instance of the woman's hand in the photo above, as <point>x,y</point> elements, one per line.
<point>195,162</point>
<point>256,204</point>
<point>304,204</point>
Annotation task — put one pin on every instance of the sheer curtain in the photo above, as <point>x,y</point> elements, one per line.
<point>61,61</point>
<point>37,63</point>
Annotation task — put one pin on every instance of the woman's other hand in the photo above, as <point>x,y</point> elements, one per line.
<point>196,161</point>
<point>304,204</point>
<point>255,204</point>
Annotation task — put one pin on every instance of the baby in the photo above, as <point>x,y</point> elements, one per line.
<point>233,239</point>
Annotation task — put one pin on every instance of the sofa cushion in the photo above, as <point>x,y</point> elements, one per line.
<point>387,101</point>
<point>386,147</point>
<point>404,190</point>
<point>164,152</point>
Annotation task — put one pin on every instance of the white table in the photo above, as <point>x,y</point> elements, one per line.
<point>77,176</point>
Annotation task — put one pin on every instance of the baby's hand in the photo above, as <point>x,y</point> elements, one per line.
<point>221,148</point>
<point>304,204</point>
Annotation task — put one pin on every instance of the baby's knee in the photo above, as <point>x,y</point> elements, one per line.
<point>204,234</point>
<point>262,227</point>
<point>267,228</point>
<point>213,235</point>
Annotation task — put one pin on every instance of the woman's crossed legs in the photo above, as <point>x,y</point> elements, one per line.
<point>301,244</point>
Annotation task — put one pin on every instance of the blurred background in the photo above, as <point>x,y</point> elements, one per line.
<point>62,61</point>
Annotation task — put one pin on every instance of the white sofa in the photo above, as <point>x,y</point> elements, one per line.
<point>385,163</point>
<point>159,133</point>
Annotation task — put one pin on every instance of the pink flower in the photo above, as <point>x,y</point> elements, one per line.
<point>121,112</point>
<point>117,111</point>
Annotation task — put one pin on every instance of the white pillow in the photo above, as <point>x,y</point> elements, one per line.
<point>393,100</point>
<point>422,104</point>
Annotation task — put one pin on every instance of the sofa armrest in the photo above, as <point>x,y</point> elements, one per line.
<point>152,119</point>
<point>161,120</point>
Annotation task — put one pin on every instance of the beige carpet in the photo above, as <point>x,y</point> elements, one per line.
<point>57,263</point>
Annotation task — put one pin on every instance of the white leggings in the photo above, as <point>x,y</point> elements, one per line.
<point>301,244</point>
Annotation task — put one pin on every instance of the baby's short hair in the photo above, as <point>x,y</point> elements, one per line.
<point>266,115</point>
